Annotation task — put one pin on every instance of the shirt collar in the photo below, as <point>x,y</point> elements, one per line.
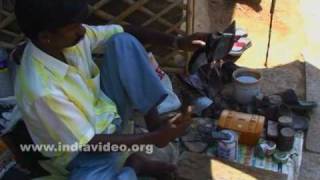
<point>49,61</point>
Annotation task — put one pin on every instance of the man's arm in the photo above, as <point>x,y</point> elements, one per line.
<point>147,138</point>
<point>57,112</point>
<point>174,128</point>
<point>149,36</point>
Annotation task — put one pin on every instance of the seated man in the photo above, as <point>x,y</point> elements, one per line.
<point>58,91</point>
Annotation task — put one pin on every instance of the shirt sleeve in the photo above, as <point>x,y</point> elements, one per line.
<point>98,35</point>
<point>63,120</point>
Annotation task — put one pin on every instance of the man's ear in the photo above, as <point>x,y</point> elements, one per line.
<point>44,38</point>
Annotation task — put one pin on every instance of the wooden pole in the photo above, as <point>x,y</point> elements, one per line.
<point>189,26</point>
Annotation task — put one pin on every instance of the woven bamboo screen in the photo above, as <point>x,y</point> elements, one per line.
<point>170,16</point>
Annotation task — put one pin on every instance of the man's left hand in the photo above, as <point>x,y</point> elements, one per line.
<point>192,42</point>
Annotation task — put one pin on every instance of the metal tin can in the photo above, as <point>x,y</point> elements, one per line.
<point>228,149</point>
<point>265,148</point>
<point>281,157</point>
<point>285,121</point>
<point>286,139</point>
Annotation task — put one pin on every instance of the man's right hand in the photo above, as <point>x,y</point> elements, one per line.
<point>175,127</point>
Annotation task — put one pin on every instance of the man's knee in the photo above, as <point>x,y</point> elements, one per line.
<point>124,45</point>
<point>122,38</point>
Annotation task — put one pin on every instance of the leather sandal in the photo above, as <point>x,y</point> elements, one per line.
<point>290,99</point>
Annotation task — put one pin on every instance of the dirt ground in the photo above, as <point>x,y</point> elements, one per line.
<point>288,39</point>
<point>294,39</point>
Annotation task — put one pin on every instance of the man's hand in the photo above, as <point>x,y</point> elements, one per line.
<point>192,42</point>
<point>174,128</point>
<point>161,39</point>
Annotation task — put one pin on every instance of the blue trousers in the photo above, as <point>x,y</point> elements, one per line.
<point>128,79</point>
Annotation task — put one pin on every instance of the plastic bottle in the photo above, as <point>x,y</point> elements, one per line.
<point>6,88</point>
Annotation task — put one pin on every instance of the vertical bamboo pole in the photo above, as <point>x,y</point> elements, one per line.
<point>190,16</point>
<point>189,26</point>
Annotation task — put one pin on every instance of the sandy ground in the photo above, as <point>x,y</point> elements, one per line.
<point>288,39</point>
<point>294,38</point>
<point>311,15</point>
<point>287,36</point>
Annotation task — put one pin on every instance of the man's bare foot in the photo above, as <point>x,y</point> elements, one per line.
<point>146,167</point>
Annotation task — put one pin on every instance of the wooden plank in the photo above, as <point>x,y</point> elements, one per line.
<point>5,13</point>
<point>176,27</point>
<point>129,11</point>
<point>6,45</point>
<point>171,29</point>
<point>104,16</point>
<point>150,13</point>
<point>10,33</point>
<point>99,13</point>
<point>166,10</point>
<point>7,21</point>
<point>100,4</point>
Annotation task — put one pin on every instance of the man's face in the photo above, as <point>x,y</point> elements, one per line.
<point>67,36</point>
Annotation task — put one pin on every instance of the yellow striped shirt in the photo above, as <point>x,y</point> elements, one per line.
<point>63,103</point>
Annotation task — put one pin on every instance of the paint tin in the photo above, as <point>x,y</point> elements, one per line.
<point>265,148</point>
<point>286,139</point>
<point>285,121</point>
<point>246,85</point>
<point>228,149</point>
<point>281,157</point>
